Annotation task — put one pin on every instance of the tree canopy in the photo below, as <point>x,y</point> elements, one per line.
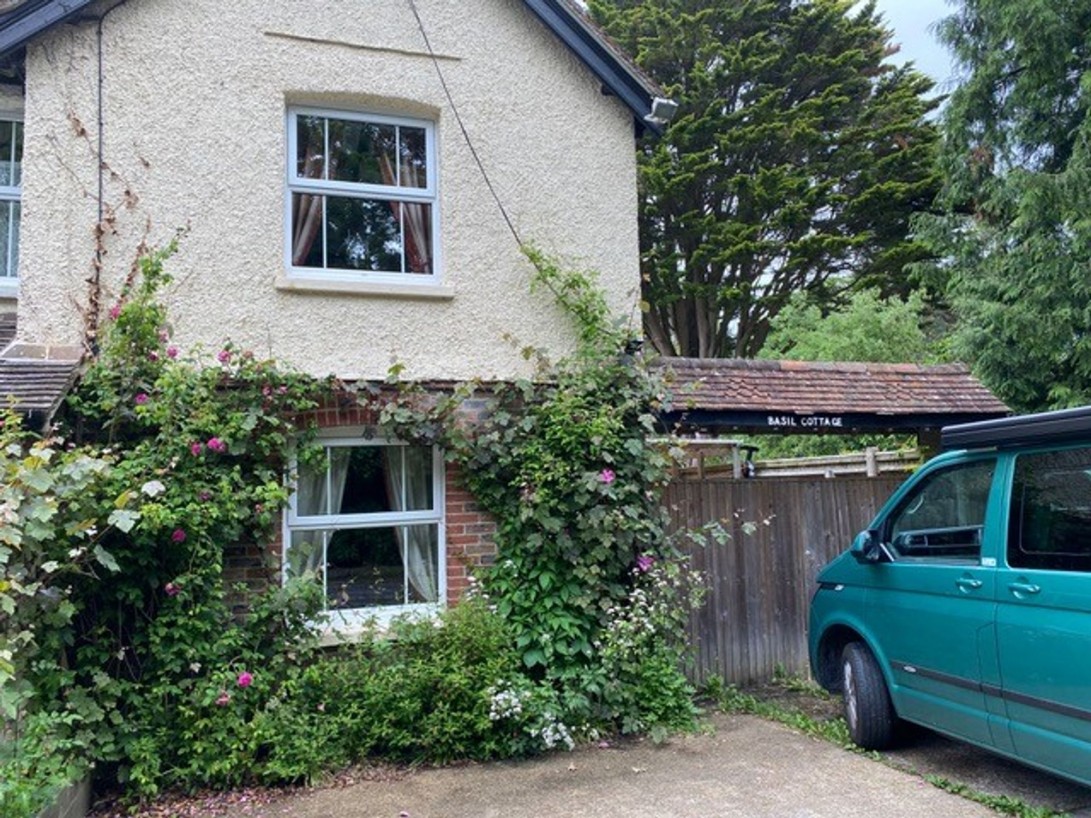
<point>793,164</point>
<point>1015,234</point>
<point>868,328</point>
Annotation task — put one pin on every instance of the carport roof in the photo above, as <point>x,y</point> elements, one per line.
<point>804,396</point>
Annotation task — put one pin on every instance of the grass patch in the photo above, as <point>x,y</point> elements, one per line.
<point>732,700</point>
<point>1004,804</point>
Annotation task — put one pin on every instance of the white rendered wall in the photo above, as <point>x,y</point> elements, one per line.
<point>196,93</point>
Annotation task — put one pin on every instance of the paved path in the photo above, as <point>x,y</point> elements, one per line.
<point>745,768</point>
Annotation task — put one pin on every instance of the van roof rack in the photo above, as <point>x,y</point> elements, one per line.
<point>1022,430</point>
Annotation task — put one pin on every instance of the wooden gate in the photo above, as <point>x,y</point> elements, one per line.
<point>760,584</point>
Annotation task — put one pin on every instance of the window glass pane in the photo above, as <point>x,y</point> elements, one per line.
<point>7,147</point>
<point>306,226</point>
<point>311,490</point>
<point>11,153</point>
<point>1050,519</point>
<point>7,239</point>
<point>363,234</point>
<point>419,489</point>
<point>372,567</point>
<point>367,484</point>
<point>944,516</point>
<point>362,152</point>
<point>17,172</point>
<point>311,147</point>
<point>16,215</point>
<point>418,237</point>
<point>413,157</point>
<point>306,553</point>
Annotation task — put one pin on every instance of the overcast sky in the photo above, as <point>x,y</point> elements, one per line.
<point>912,21</point>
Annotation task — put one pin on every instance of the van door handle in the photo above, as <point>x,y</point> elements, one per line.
<point>968,583</point>
<point>1021,589</point>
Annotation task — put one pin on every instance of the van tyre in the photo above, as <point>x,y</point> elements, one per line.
<point>868,711</point>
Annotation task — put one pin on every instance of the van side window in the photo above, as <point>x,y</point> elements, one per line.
<point>1049,526</point>
<point>943,517</point>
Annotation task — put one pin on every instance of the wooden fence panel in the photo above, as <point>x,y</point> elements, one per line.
<point>760,583</point>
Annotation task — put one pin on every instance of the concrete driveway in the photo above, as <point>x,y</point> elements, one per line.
<point>744,766</point>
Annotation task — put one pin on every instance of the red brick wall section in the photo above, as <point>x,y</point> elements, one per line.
<point>470,536</point>
<point>251,568</point>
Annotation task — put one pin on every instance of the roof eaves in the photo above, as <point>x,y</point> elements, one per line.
<point>21,24</point>
<point>606,60</point>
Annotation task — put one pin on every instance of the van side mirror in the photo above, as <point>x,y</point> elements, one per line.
<point>868,548</point>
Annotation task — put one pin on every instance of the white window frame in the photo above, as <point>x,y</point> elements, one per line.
<point>353,620</point>
<point>300,184</point>
<point>9,285</point>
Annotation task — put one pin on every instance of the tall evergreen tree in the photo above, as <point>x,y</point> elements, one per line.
<point>1015,236</point>
<point>793,164</point>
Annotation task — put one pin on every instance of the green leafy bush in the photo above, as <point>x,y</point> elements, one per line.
<point>568,466</point>
<point>119,633</point>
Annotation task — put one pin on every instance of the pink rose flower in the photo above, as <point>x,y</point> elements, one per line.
<point>205,496</point>
<point>179,536</point>
<point>141,399</point>
<point>196,448</point>
<point>216,445</point>
<point>223,699</point>
<point>153,356</point>
<point>172,352</point>
<point>607,476</point>
<point>224,356</point>
<point>245,679</point>
<point>644,563</point>
<point>170,589</point>
<point>115,311</point>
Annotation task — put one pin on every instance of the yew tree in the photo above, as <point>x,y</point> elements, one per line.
<point>1015,234</point>
<point>794,162</point>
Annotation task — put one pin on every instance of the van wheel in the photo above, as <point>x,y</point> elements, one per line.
<point>868,711</point>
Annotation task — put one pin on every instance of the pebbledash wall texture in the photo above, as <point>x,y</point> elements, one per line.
<point>195,136</point>
<point>196,100</point>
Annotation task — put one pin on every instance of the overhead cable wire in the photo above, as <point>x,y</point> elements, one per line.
<point>462,126</point>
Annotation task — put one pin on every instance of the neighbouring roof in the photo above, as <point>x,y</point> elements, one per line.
<point>35,386</point>
<point>617,72</point>
<point>798,396</point>
<point>33,380</point>
<point>7,329</point>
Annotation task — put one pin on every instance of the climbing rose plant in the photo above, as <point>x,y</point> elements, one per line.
<point>122,642</point>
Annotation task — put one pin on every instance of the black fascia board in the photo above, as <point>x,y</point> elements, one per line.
<point>23,23</point>
<point>20,25</point>
<point>1061,426</point>
<point>780,422</point>
<point>618,77</point>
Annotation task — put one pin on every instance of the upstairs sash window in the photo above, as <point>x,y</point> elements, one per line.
<point>11,185</point>
<point>363,196</point>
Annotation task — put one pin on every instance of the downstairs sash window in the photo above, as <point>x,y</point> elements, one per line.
<point>366,521</point>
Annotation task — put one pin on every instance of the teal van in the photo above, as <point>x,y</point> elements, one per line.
<point>966,604</point>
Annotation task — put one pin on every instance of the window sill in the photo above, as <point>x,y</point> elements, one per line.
<point>351,627</point>
<point>373,289</point>
<point>9,288</point>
